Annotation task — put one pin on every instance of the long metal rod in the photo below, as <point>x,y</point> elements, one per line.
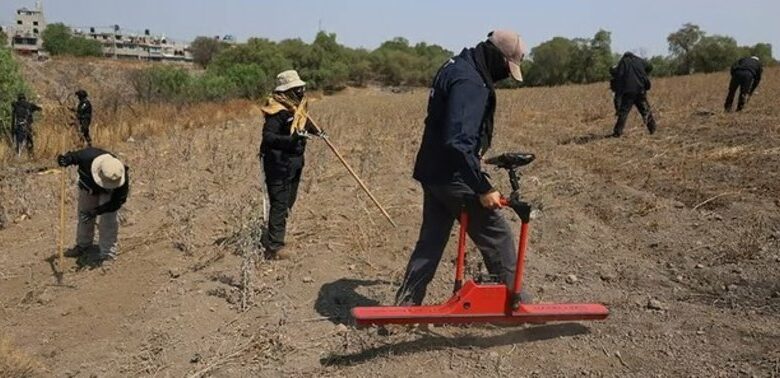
<point>461,262</point>
<point>354,175</point>
<point>61,239</point>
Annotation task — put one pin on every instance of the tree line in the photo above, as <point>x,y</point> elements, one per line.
<point>247,70</point>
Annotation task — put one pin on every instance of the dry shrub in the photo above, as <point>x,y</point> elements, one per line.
<point>14,363</point>
<point>117,115</point>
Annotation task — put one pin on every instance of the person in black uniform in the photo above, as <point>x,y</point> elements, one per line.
<point>22,120</point>
<point>286,130</point>
<point>745,75</point>
<point>83,115</point>
<point>631,84</point>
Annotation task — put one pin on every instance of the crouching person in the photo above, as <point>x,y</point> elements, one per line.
<point>103,186</point>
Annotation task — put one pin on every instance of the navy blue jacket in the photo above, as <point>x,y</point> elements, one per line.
<point>450,145</point>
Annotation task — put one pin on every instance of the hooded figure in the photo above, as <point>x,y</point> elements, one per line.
<point>458,132</point>
<point>104,184</point>
<point>84,115</point>
<point>745,75</point>
<point>631,83</point>
<point>21,121</point>
<point>285,132</point>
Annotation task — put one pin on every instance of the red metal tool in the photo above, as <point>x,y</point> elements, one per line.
<point>474,302</point>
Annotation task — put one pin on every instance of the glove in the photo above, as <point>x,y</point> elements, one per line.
<point>322,134</point>
<point>298,135</point>
<point>86,216</point>
<point>62,161</point>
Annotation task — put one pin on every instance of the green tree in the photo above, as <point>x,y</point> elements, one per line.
<point>3,38</point>
<point>681,45</point>
<point>58,40</point>
<point>714,53</point>
<point>210,87</point>
<point>552,61</point>
<point>11,84</point>
<point>250,80</point>
<point>262,52</point>
<point>600,54</point>
<point>663,66</point>
<point>763,51</point>
<point>203,50</point>
<point>162,84</point>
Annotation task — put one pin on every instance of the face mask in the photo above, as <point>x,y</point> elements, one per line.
<point>497,64</point>
<point>297,94</point>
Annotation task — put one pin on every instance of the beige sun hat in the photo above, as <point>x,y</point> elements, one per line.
<point>108,172</point>
<point>288,80</point>
<point>513,47</point>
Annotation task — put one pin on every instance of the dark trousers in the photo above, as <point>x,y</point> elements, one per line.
<point>491,233</point>
<point>616,103</point>
<point>84,128</point>
<point>744,81</point>
<point>282,193</point>
<point>23,139</point>
<point>628,101</point>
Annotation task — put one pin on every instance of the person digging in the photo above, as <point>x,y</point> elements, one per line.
<point>458,132</point>
<point>285,132</point>
<point>103,187</point>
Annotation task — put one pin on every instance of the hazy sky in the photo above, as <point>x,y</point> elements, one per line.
<point>641,26</point>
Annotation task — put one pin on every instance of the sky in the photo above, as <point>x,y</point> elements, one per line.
<point>639,26</point>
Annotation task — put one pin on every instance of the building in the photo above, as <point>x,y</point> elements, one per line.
<point>25,34</point>
<point>124,44</point>
<point>25,39</point>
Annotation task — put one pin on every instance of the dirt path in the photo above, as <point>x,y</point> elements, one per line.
<point>687,218</point>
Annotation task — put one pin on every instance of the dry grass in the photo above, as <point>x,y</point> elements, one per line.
<point>14,363</point>
<point>53,135</point>
<point>117,115</point>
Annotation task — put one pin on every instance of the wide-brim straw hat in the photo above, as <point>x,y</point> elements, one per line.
<point>108,172</point>
<point>288,80</point>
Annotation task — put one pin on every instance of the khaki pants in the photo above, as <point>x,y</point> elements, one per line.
<point>108,225</point>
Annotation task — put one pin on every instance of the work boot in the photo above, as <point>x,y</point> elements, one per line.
<point>76,252</point>
<point>272,251</point>
<point>106,261</point>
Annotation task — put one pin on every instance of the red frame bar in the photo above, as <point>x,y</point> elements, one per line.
<point>518,284</point>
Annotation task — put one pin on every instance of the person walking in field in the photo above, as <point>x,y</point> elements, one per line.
<point>631,84</point>
<point>745,75</point>
<point>83,115</point>
<point>286,130</point>
<point>458,132</point>
<point>104,184</point>
<point>613,88</point>
<point>22,120</point>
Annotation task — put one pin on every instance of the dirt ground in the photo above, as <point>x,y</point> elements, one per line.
<point>678,233</point>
